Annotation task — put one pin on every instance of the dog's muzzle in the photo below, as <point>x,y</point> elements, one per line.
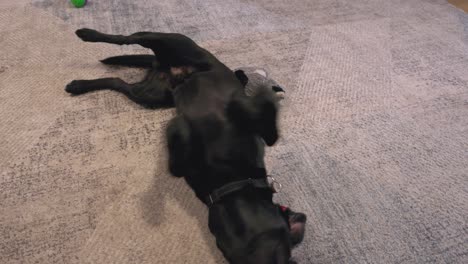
<point>263,183</point>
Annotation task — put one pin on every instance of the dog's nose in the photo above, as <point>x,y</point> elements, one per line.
<point>299,217</point>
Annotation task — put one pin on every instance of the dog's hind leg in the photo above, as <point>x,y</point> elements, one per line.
<point>151,40</point>
<point>142,61</point>
<point>171,49</point>
<point>150,92</point>
<point>83,86</point>
<point>91,35</point>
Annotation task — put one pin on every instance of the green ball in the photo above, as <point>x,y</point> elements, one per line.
<point>78,3</point>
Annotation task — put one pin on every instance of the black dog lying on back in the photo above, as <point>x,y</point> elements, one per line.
<point>216,141</point>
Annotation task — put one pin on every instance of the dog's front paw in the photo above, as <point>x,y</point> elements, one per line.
<point>75,87</point>
<point>279,92</point>
<point>86,34</point>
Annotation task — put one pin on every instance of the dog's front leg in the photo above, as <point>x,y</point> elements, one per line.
<point>258,113</point>
<point>178,143</point>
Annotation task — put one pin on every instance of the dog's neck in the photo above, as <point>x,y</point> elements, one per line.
<point>236,186</point>
<point>213,181</point>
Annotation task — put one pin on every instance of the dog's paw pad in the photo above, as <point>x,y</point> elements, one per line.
<point>87,34</point>
<point>74,87</point>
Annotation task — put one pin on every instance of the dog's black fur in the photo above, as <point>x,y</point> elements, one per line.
<point>216,138</point>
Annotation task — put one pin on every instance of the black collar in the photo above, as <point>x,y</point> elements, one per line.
<point>262,183</point>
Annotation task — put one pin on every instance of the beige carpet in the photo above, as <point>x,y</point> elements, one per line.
<point>374,144</point>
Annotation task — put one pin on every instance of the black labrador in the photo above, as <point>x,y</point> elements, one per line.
<point>216,141</point>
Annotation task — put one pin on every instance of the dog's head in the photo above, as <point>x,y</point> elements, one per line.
<point>249,228</point>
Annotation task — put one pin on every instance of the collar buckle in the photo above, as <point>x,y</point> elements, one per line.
<point>274,184</point>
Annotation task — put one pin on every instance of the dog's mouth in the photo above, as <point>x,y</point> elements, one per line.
<point>279,230</point>
<point>296,223</point>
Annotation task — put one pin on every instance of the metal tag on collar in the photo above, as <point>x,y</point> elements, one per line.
<point>274,184</point>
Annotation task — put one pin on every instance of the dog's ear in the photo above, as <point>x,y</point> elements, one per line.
<point>178,142</point>
<point>240,74</point>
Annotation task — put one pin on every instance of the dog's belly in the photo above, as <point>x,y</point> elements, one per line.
<point>182,71</point>
<point>178,75</point>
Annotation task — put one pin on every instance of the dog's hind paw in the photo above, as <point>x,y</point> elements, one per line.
<point>75,87</point>
<point>87,34</point>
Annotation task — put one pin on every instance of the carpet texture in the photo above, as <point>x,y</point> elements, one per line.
<point>374,145</point>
